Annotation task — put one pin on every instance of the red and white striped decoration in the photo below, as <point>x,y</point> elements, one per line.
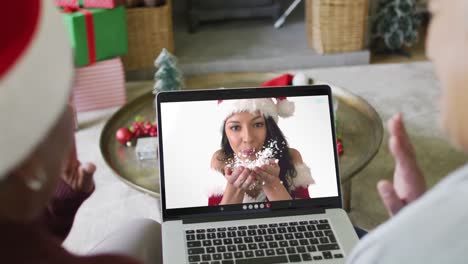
<point>98,86</point>
<point>89,3</point>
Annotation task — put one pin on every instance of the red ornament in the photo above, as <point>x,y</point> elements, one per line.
<point>340,147</point>
<point>139,128</point>
<point>123,135</point>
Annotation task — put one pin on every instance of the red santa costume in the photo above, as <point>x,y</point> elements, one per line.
<point>298,186</point>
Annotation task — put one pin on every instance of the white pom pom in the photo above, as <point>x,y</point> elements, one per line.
<point>300,79</point>
<point>285,108</point>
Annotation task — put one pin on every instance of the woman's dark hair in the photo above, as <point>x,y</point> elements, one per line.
<point>274,134</point>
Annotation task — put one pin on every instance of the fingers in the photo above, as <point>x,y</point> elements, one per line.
<point>85,179</point>
<point>389,197</point>
<point>267,168</point>
<point>241,179</point>
<point>249,181</point>
<point>399,141</point>
<point>88,169</point>
<point>262,172</point>
<point>395,123</point>
<point>232,175</point>
<point>227,170</point>
<point>268,172</point>
<point>409,182</point>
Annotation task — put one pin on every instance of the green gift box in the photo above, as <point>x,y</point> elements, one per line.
<point>96,34</point>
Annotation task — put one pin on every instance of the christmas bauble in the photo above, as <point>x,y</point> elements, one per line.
<point>123,135</point>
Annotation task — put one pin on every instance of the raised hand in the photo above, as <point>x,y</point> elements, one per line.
<point>78,176</point>
<point>408,181</point>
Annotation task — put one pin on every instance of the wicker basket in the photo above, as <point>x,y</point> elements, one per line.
<point>336,25</point>
<point>149,31</point>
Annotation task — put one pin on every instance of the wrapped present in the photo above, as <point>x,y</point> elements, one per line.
<point>99,86</point>
<point>89,3</point>
<point>96,34</point>
<point>147,148</point>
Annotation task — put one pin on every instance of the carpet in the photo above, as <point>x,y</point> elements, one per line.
<point>408,88</point>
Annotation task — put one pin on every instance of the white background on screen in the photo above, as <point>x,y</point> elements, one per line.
<point>192,133</point>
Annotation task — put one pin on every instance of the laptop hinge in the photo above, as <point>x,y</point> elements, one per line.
<point>193,219</point>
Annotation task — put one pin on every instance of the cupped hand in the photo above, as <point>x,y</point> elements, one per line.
<point>268,174</point>
<point>239,177</point>
<point>408,181</point>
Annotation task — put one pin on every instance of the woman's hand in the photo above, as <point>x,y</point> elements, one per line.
<point>408,181</point>
<point>268,174</point>
<point>239,180</point>
<point>240,177</point>
<point>79,176</point>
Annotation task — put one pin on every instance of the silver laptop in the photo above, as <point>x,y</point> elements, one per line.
<point>251,175</point>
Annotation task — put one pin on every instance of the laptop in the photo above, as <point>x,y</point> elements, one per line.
<point>233,191</point>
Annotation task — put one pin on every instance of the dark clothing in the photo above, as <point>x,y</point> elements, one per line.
<point>40,242</point>
<point>60,213</point>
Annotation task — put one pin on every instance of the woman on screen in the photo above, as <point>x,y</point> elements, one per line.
<point>255,163</point>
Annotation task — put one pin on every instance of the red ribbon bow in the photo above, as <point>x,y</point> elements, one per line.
<point>89,21</point>
<point>69,9</point>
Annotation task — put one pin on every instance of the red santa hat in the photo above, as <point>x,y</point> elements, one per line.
<point>267,106</point>
<point>36,71</point>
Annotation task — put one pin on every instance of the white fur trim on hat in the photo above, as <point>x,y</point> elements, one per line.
<point>303,177</point>
<point>286,108</point>
<point>34,92</point>
<point>266,106</point>
<point>300,79</point>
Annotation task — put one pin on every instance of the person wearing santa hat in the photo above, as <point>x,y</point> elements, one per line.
<point>42,184</point>
<point>255,162</point>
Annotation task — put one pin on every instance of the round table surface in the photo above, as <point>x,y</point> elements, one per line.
<point>358,124</point>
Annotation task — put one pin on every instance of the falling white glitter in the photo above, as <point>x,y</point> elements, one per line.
<point>261,158</point>
<point>269,152</point>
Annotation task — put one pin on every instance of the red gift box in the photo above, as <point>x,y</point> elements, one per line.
<point>89,3</point>
<point>98,86</point>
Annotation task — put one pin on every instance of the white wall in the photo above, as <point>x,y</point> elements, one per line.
<point>191,134</point>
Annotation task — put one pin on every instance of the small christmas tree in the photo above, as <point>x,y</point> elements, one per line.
<point>396,24</point>
<point>168,77</point>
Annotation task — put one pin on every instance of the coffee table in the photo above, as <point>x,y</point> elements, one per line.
<point>358,123</point>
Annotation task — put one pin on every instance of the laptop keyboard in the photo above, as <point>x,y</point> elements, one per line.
<point>267,243</point>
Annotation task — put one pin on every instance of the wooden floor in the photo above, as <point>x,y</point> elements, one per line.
<point>417,53</point>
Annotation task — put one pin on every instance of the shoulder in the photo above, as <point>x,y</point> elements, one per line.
<point>412,228</point>
<point>303,177</point>
<point>217,160</point>
<point>295,156</point>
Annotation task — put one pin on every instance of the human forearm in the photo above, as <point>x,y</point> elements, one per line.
<point>232,195</point>
<point>275,191</point>
<point>409,182</point>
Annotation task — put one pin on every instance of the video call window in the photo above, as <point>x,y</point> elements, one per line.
<point>247,151</point>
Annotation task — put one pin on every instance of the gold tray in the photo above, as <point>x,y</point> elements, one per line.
<point>358,123</point>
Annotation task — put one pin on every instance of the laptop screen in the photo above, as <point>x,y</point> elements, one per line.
<point>246,149</point>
